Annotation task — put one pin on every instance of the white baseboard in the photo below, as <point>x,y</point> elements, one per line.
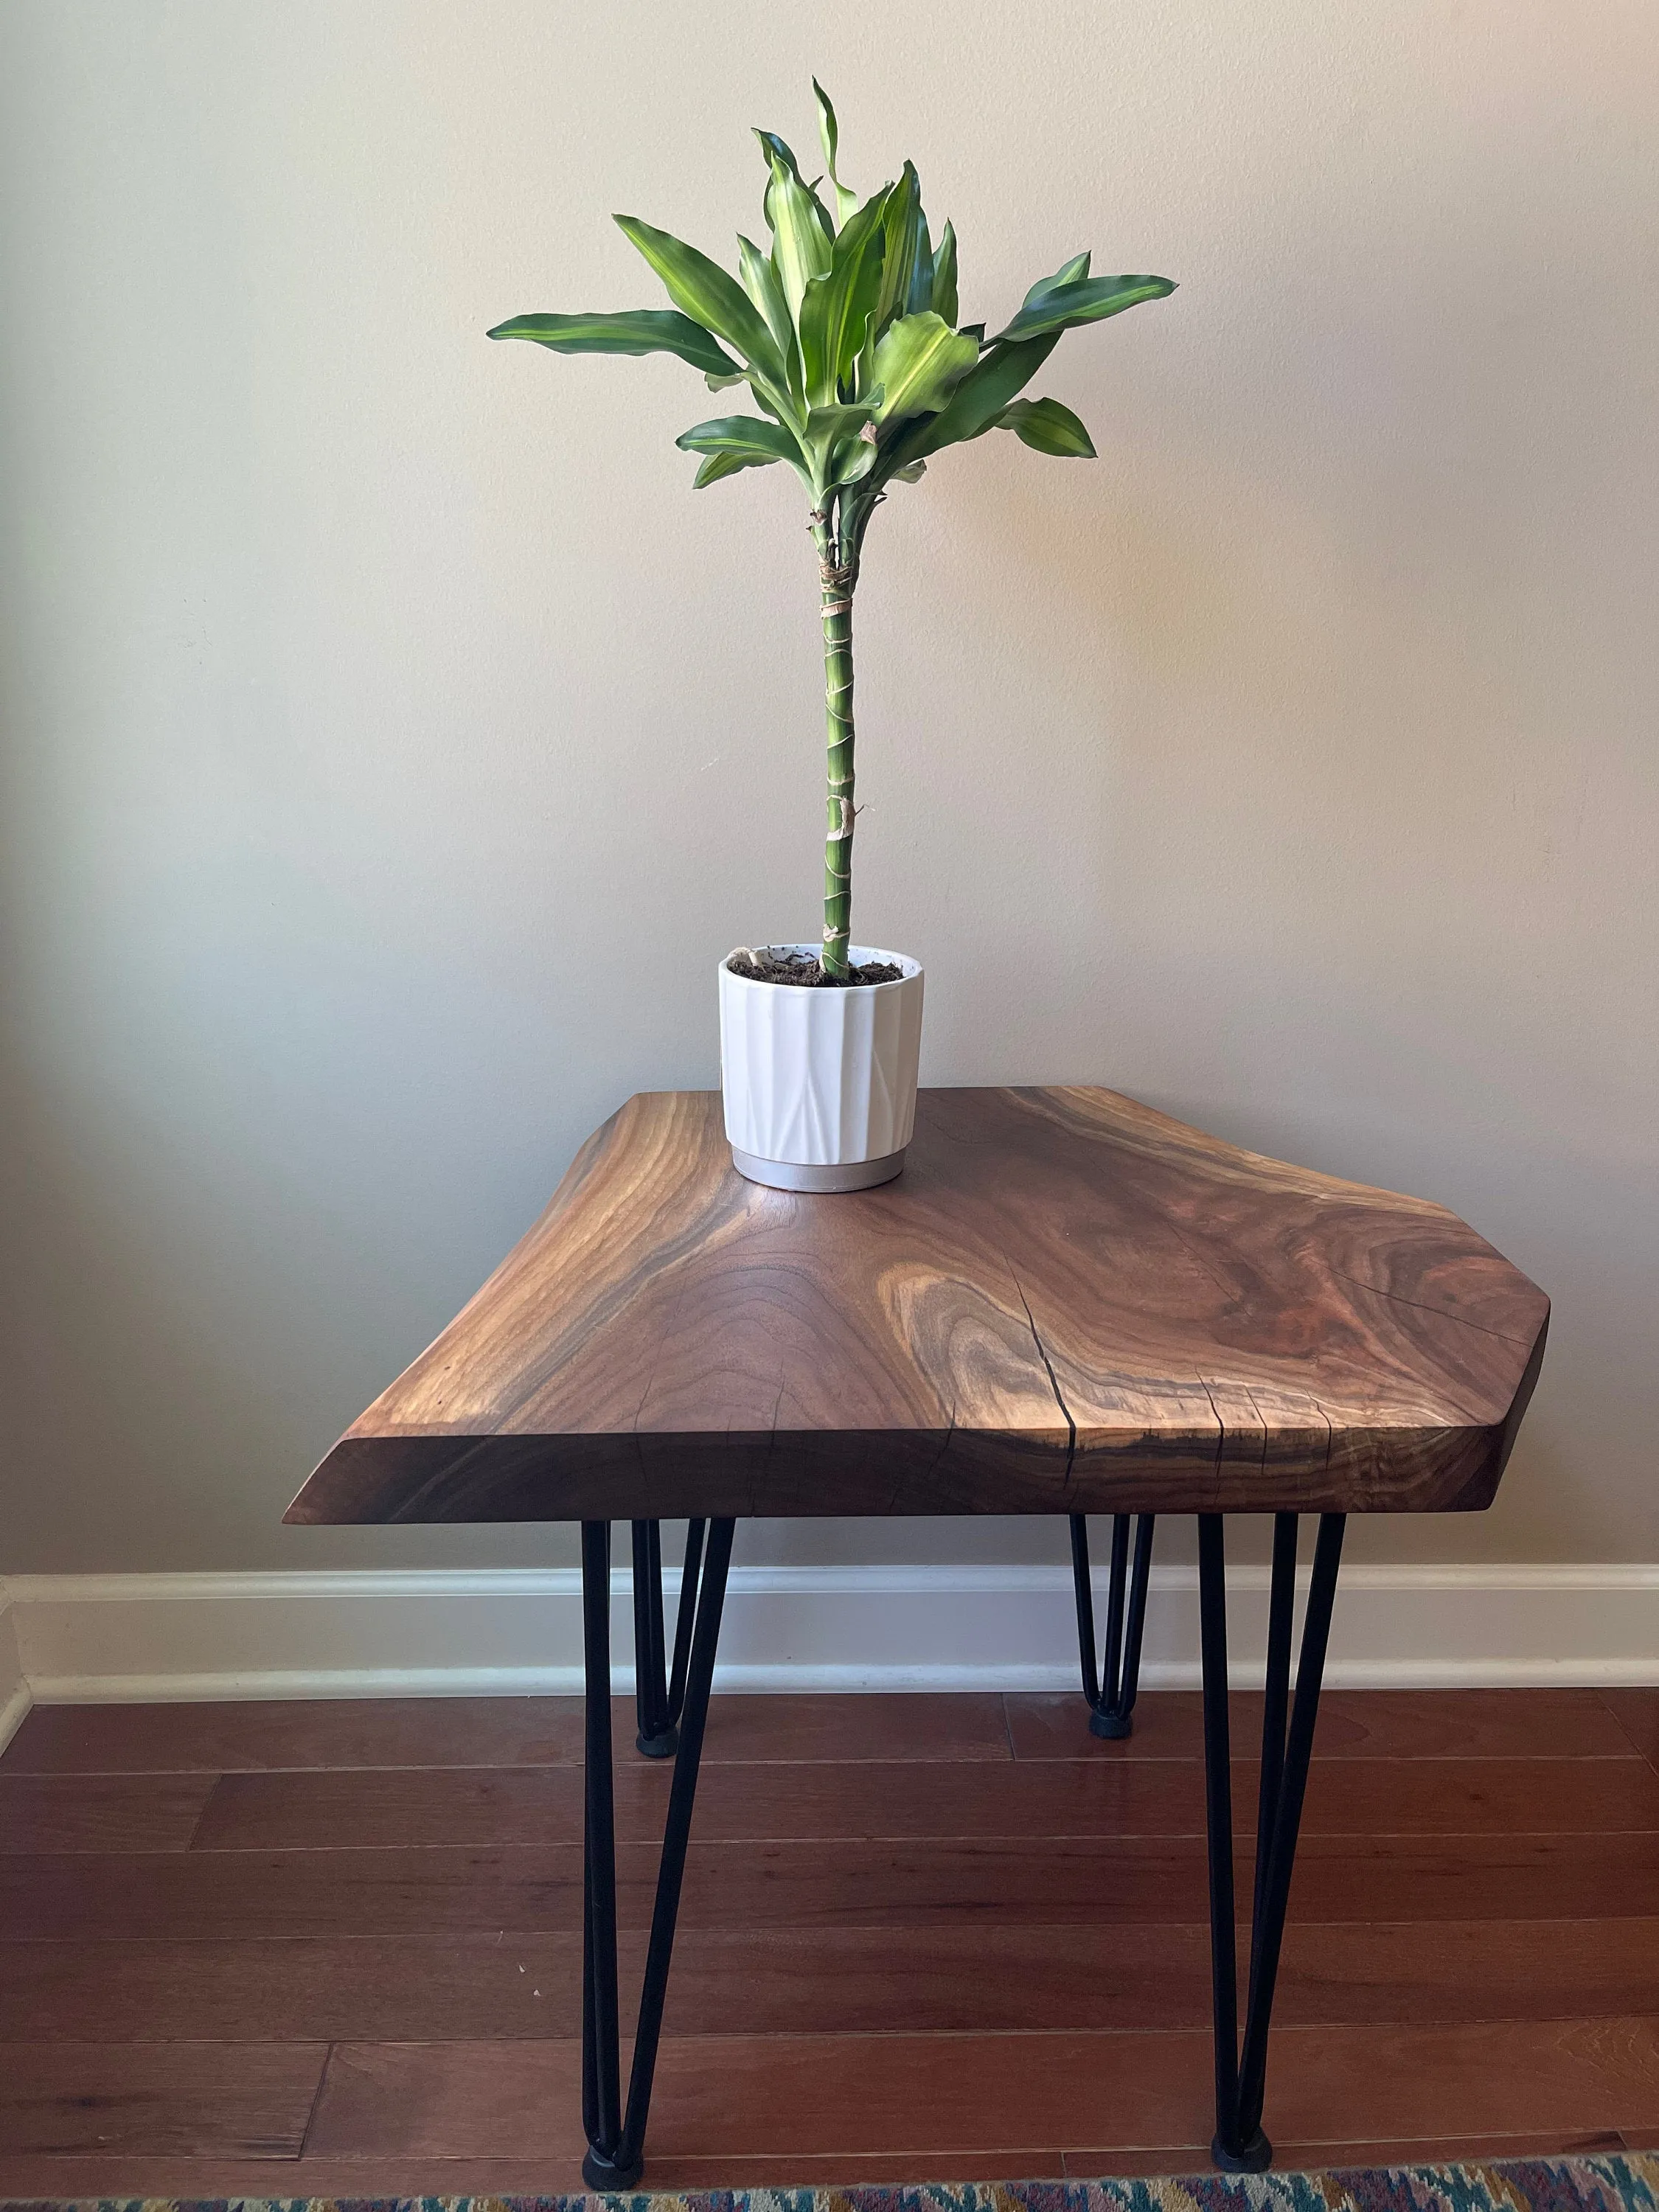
<point>513,1631</point>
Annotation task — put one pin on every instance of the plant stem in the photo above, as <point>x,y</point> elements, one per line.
<point>837,574</point>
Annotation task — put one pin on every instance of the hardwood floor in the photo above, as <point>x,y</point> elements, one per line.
<point>316,1949</point>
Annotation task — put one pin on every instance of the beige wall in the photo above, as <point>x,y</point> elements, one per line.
<point>393,742</point>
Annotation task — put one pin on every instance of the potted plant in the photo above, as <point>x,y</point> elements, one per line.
<point>846,332</point>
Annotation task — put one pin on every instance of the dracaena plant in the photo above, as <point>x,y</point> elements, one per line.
<point>846,333</point>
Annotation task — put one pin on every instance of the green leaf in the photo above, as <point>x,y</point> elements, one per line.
<point>829,138</point>
<point>901,225</point>
<point>1048,427</point>
<point>979,400</point>
<point>919,363</point>
<point>802,231</point>
<point>921,296</point>
<point>775,149</point>
<point>638,330</point>
<point>1089,300</point>
<point>834,311</point>
<point>705,292</point>
<point>912,472</point>
<point>853,462</point>
<point>944,301</point>
<point>1068,275</point>
<point>838,446</point>
<point>829,422</point>
<point>749,434</point>
<point>760,280</point>
<point>727,464</point>
<point>781,407</point>
<point>801,246</point>
<point>828,134</point>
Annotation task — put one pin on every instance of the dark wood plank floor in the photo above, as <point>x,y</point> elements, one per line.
<point>298,1950</point>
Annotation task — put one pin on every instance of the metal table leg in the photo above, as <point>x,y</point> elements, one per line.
<point>1240,2146</point>
<point>1110,1688</point>
<point>659,1696</point>
<point>616,2138</point>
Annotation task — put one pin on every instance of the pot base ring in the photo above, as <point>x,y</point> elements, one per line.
<point>845,1174</point>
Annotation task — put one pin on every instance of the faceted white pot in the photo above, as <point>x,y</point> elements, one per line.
<point>820,1085</point>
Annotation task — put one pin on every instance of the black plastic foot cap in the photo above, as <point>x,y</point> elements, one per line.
<point>1112,1726</point>
<point>599,2174</point>
<point>1256,2156</point>
<point>658,1747</point>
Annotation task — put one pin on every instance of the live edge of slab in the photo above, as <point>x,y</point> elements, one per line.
<point>1066,1303</point>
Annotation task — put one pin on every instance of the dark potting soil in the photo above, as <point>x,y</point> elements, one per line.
<point>806,972</point>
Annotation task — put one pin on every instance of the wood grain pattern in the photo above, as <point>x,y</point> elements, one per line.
<point>101,1812</point>
<point>1637,1714</point>
<point>1000,1974</point>
<point>1412,1724</point>
<point>373,1734</point>
<point>1095,1882</point>
<point>1483,1985</point>
<point>815,2095</point>
<point>355,1734</point>
<point>1335,2154</point>
<point>308,2179</point>
<point>1036,1799</point>
<point>1067,1302</point>
<point>250,2099</point>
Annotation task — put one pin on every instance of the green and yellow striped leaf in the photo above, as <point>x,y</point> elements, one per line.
<point>902,224</point>
<point>919,363</point>
<point>727,464</point>
<point>802,233</point>
<point>743,434</point>
<point>703,290</point>
<point>829,138</point>
<point>1089,300</point>
<point>836,308</point>
<point>978,401</point>
<point>760,280</point>
<point>1069,274</point>
<point>637,331</point>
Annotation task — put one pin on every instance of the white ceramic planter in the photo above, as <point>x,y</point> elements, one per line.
<point>820,1085</point>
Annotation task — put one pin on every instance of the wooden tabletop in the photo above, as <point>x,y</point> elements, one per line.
<point>1066,1303</point>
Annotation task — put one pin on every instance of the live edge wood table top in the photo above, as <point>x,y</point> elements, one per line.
<point>1068,1303</point>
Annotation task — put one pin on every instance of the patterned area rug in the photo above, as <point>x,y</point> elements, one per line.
<point>1618,2182</point>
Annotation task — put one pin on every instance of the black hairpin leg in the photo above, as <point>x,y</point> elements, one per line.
<point>616,2138</point>
<point>659,1696</point>
<point>1239,2147</point>
<point>1110,1689</point>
